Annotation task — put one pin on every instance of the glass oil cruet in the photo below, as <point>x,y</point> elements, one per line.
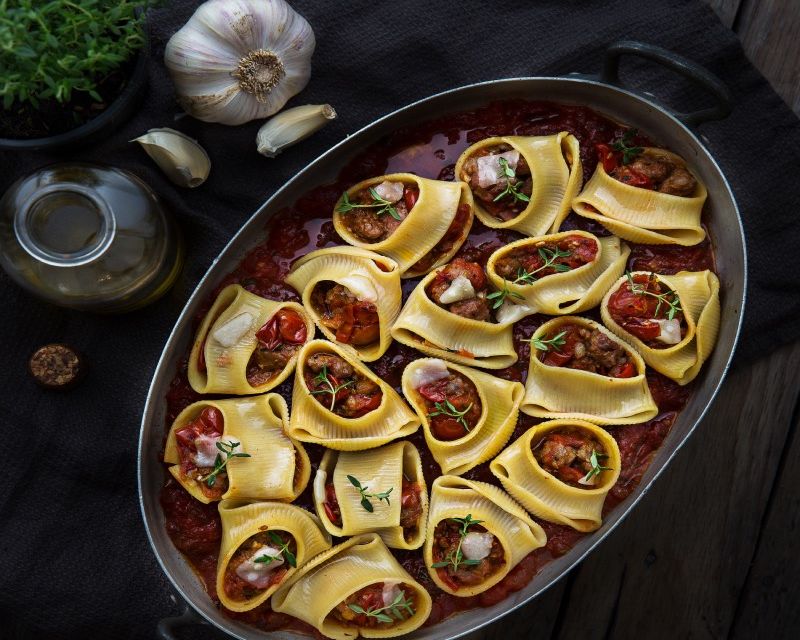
<point>88,237</point>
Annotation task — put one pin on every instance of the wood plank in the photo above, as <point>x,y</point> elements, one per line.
<point>726,10</point>
<point>769,32</point>
<point>768,603</point>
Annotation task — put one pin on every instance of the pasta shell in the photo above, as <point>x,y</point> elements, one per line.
<point>278,467</point>
<point>698,292</point>
<point>559,392</point>
<point>500,401</point>
<point>557,175</point>
<point>422,229</point>
<point>312,422</point>
<point>454,497</point>
<point>242,519</point>
<point>643,215</point>
<point>226,367</point>
<point>338,264</point>
<point>570,292</point>
<point>317,587</point>
<point>544,495</point>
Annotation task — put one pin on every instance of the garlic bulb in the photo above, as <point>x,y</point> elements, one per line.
<point>182,158</point>
<point>238,60</point>
<point>292,125</point>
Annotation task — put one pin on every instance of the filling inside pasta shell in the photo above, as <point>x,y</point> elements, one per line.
<point>476,535</point>
<point>263,544</point>
<point>418,222</point>
<point>353,296</point>
<point>525,183</point>
<point>247,344</point>
<point>560,273</point>
<point>382,490</point>
<point>355,589</point>
<point>672,321</point>
<point>339,403</point>
<point>237,448</point>
<point>467,415</point>
<point>561,471</point>
<point>644,215</point>
<point>579,369</point>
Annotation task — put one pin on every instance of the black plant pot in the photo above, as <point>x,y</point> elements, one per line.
<point>99,127</point>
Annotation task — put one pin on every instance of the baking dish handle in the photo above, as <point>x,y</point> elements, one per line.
<point>688,69</point>
<point>167,626</point>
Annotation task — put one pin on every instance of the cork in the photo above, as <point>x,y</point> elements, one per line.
<point>57,366</point>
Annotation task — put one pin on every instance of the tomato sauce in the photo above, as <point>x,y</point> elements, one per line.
<point>431,150</point>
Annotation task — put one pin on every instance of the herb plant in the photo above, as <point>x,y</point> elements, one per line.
<point>512,188</point>
<point>597,468</point>
<point>499,297</point>
<point>447,408</point>
<point>395,609</point>
<point>456,557</point>
<point>625,146</point>
<point>283,549</point>
<point>229,449</point>
<point>549,256</point>
<point>383,206</point>
<point>50,50</point>
<point>331,385</point>
<point>365,496</point>
<point>670,298</point>
<point>556,342</point>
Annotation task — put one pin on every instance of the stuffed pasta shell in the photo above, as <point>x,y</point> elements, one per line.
<point>476,535</point>
<point>356,589</point>
<point>468,415</point>
<point>339,403</point>
<point>353,296</point>
<point>247,344</point>
<point>237,448</point>
<point>561,471</point>
<point>381,490</point>
<point>263,544</point>
<point>653,199</point>
<point>672,321</point>
<point>579,369</point>
<point>524,183</point>
<point>418,222</point>
<point>561,273</point>
<point>453,314</point>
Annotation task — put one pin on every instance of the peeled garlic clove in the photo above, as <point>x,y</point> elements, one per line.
<point>291,126</point>
<point>182,158</point>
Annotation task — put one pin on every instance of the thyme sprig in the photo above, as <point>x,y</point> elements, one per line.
<point>597,468</point>
<point>556,342</point>
<point>624,145</point>
<point>229,449</point>
<point>346,205</point>
<point>394,610</point>
<point>499,297</point>
<point>663,298</point>
<point>447,408</point>
<point>456,557</point>
<point>322,378</point>
<point>512,188</point>
<point>365,496</point>
<point>283,549</point>
<point>549,257</point>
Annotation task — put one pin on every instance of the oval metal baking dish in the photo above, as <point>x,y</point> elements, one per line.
<point>601,94</point>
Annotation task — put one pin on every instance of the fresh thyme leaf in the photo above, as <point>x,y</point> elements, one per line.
<point>597,468</point>
<point>549,256</point>
<point>229,449</point>
<point>623,145</point>
<point>499,297</point>
<point>663,298</point>
<point>512,188</point>
<point>456,558</point>
<point>383,205</point>
<point>542,344</point>
<point>365,496</point>
<point>447,408</point>
<point>322,378</point>
<point>283,549</point>
<point>396,608</point>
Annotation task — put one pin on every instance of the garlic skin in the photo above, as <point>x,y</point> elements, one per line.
<point>291,126</point>
<point>182,158</point>
<point>239,60</point>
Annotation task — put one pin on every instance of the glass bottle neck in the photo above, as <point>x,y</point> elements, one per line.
<point>64,225</point>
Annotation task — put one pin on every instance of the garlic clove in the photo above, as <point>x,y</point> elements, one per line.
<point>291,126</point>
<point>182,158</point>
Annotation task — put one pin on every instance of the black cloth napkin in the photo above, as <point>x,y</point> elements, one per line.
<point>75,559</point>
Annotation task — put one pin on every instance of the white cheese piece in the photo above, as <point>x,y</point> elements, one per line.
<point>319,485</point>
<point>460,289</point>
<point>489,169</point>
<point>390,592</point>
<point>670,331</point>
<point>509,313</point>
<point>477,545</point>
<point>360,287</point>
<point>259,574</point>
<point>430,371</point>
<point>390,191</point>
<point>233,330</point>
<point>207,449</point>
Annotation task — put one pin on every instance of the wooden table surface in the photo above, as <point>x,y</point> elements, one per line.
<point>714,549</point>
